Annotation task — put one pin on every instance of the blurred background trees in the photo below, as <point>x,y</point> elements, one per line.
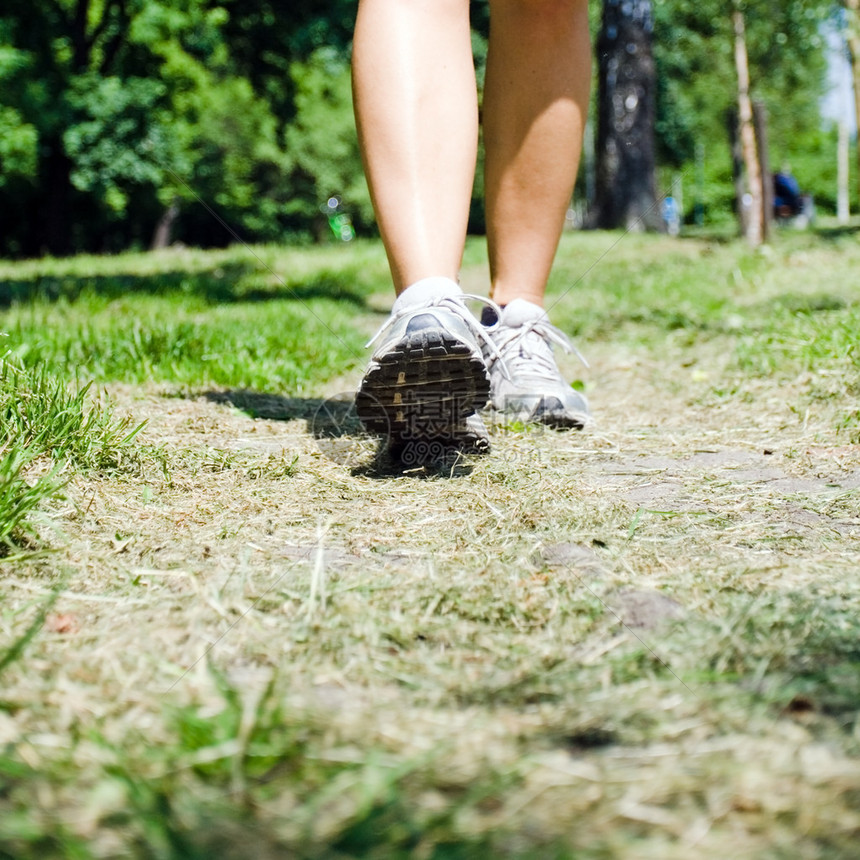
<point>127,123</point>
<point>698,93</point>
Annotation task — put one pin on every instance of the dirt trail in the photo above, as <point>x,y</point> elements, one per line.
<point>484,614</point>
<point>699,482</point>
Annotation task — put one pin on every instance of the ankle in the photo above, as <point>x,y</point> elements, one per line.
<point>504,295</point>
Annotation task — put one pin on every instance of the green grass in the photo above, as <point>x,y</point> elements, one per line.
<point>251,318</point>
<point>790,311</point>
<point>275,321</point>
<point>49,428</point>
<point>278,345</point>
<point>238,646</point>
<point>20,497</point>
<point>43,416</point>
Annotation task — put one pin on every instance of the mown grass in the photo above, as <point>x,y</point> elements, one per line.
<point>789,311</point>
<point>265,319</point>
<point>242,647</point>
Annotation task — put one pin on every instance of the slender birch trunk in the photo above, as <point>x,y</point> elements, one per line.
<point>760,122</point>
<point>843,157</point>
<point>853,39</point>
<point>747,133</point>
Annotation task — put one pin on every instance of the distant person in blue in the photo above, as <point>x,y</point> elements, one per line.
<point>787,199</point>
<point>671,215</point>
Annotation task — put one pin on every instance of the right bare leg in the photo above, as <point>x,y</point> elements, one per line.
<point>417,117</point>
<point>535,103</point>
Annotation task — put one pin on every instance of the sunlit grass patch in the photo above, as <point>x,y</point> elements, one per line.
<point>42,415</point>
<point>260,318</point>
<point>819,337</point>
<point>20,497</point>
<point>278,346</point>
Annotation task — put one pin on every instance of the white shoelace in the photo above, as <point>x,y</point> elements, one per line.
<point>455,304</point>
<point>532,343</point>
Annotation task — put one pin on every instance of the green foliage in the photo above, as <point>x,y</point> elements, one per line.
<point>237,162</point>
<point>121,137</point>
<point>18,138</point>
<point>138,105</point>
<point>322,145</point>
<point>812,159</point>
<point>17,146</point>
<point>694,53</point>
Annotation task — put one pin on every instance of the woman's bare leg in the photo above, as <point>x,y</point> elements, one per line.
<point>535,107</point>
<point>417,117</point>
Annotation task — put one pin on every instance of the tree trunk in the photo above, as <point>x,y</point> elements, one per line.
<point>760,121</point>
<point>164,229</point>
<point>741,211</point>
<point>843,157</point>
<point>56,179</point>
<point>853,39</point>
<point>753,207</point>
<point>625,191</point>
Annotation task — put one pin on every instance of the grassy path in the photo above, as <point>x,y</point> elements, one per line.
<point>637,641</point>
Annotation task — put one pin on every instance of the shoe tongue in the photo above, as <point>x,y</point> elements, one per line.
<point>520,312</point>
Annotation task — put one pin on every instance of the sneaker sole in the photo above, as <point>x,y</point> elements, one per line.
<point>552,414</point>
<point>547,411</point>
<point>424,388</point>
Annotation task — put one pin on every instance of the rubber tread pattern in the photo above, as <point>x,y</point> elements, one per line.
<point>424,388</point>
<point>551,412</point>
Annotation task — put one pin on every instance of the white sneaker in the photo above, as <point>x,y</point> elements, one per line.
<point>525,380</point>
<point>427,377</point>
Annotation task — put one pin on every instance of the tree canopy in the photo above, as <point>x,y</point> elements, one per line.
<point>114,111</point>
